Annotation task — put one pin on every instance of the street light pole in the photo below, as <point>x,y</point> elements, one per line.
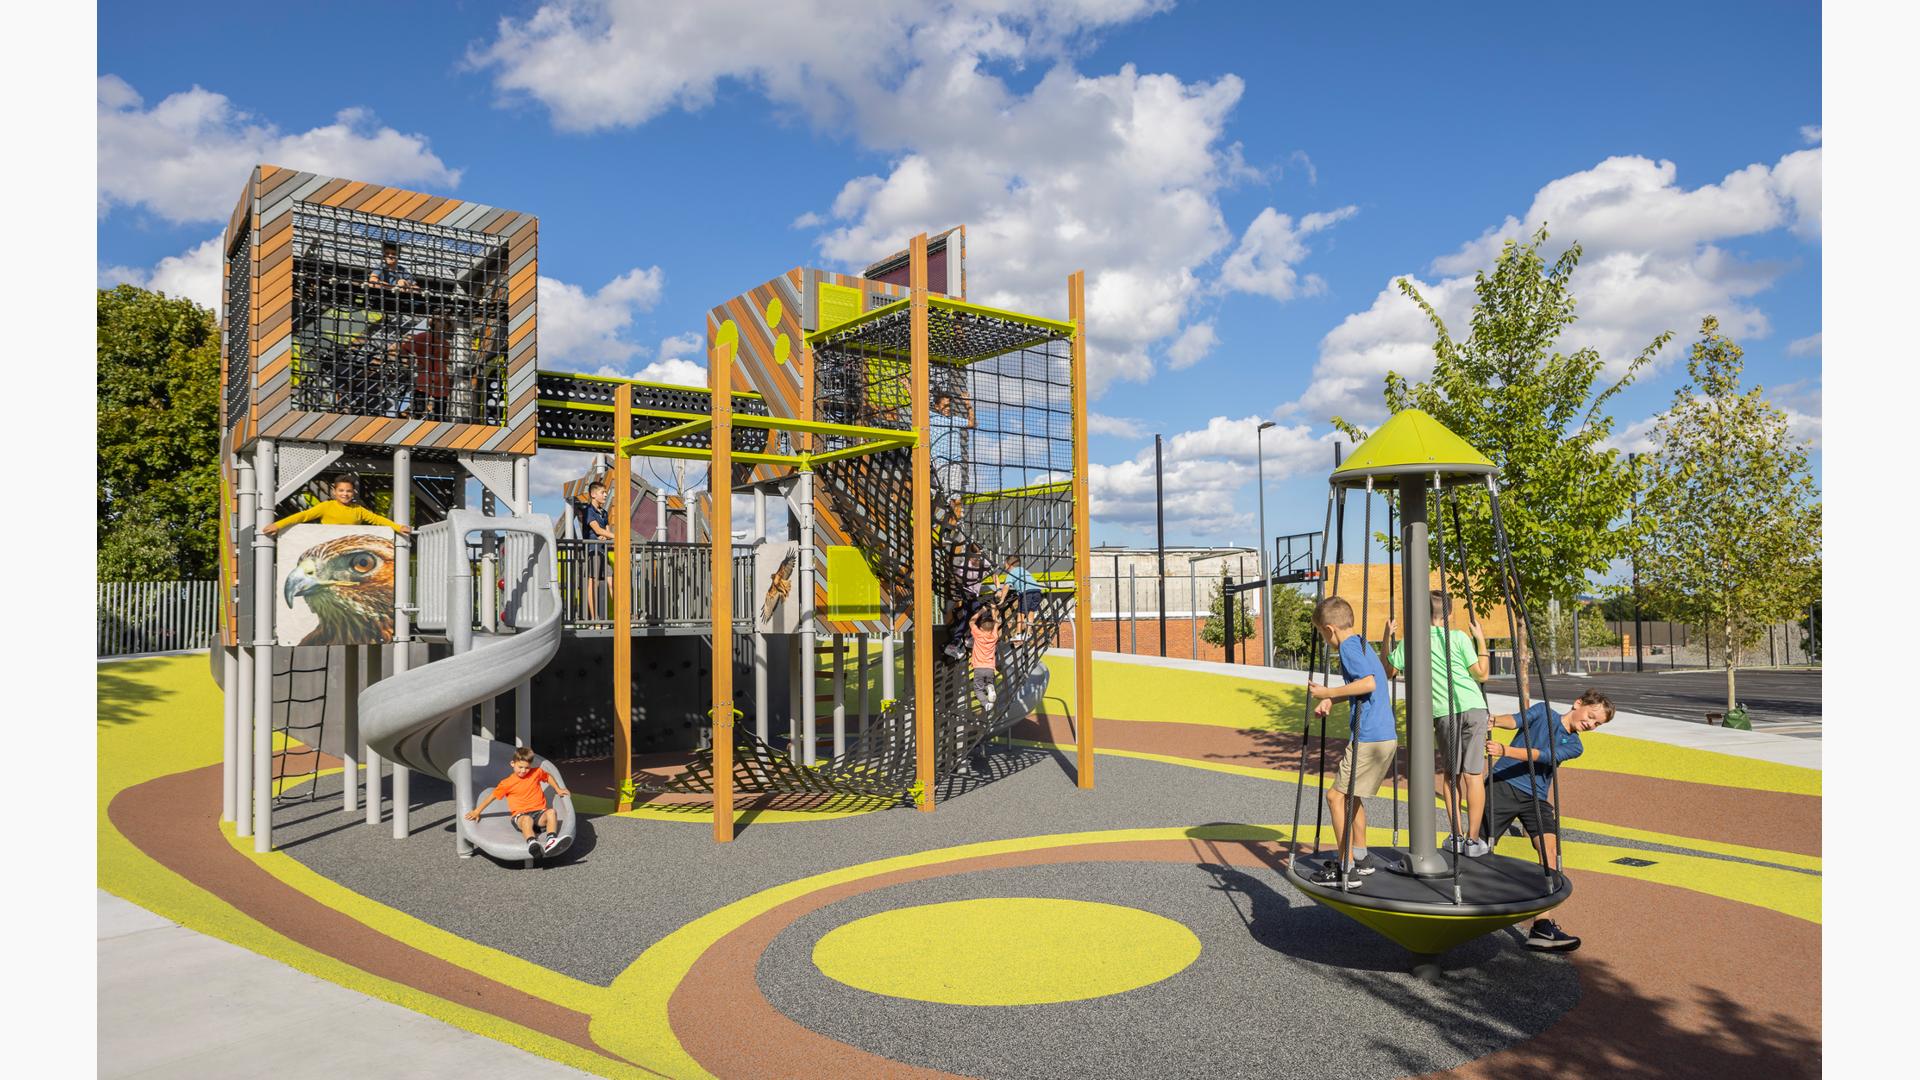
<point>1266,575</point>
<point>1160,542</point>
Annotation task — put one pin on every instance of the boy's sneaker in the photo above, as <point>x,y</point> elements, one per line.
<point>1549,937</point>
<point>548,843</point>
<point>1363,865</point>
<point>1478,848</point>
<point>1330,876</point>
<point>1453,843</point>
<point>533,846</point>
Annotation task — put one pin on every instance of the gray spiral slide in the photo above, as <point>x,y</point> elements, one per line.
<point>423,718</point>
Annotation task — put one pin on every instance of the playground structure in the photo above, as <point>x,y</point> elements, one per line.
<point>896,441</point>
<point>1427,900</point>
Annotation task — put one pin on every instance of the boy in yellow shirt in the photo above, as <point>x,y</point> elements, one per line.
<point>340,510</point>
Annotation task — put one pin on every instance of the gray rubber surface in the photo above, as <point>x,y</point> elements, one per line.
<point>1282,987</point>
<point>627,883</point>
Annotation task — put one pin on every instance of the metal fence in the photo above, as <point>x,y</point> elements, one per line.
<point>133,617</point>
<point>672,583</point>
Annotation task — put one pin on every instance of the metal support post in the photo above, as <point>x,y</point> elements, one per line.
<point>839,695</point>
<point>403,616</point>
<point>809,707</point>
<point>760,655</point>
<point>861,663</point>
<point>1133,611</point>
<point>1193,611</point>
<point>1160,541</point>
<point>242,686</point>
<point>1416,581</point>
<point>720,603</point>
<point>886,666</point>
<point>350,729</point>
<point>919,358</point>
<point>229,730</point>
<point>1082,535</point>
<point>263,597</point>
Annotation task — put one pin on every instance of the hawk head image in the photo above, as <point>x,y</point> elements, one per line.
<point>347,583</point>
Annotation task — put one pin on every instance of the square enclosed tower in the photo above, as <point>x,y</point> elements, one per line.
<point>375,316</point>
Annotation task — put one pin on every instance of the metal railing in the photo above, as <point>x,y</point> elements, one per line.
<point>672,584</point>
<point>133,617</point>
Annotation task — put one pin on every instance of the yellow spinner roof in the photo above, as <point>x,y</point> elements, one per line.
<point>1412,443</point>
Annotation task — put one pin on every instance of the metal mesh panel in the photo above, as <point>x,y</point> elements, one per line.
<point>239,342</point>
<point>398,318</point>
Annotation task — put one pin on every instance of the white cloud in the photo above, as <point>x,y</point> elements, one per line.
<point>691,343</point>
<point>186,158</point>
<point>1117,174</point>
<point>1811,133</point>
<point>579,331</point>
<point>620,63</point>
<point>1204,472</point>
<point>1193,345</point>
<point>1806,346</point>
<point>1119,427</point>
<point>1264,261</point>
<point>1652,260</point>
<point>194,274</point>
<point>1798,400</point>
<point>676,371</point>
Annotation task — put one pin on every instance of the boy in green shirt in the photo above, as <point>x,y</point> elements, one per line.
<point>1459,720</point>
<point>340,510</point>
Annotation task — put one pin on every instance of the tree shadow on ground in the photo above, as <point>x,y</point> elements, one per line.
<point>1496,996</point>
<point>123,691</point>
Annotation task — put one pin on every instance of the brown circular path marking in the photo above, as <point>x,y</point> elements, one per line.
<point>1708,987</point>
<point>176,820</point>
<point>1763,819</point>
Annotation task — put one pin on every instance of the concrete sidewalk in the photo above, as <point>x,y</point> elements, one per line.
<point>1758,745</point>
<point>176,1003</point>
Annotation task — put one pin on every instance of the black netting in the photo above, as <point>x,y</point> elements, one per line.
<point>398,318</point>
<point>239,342</point>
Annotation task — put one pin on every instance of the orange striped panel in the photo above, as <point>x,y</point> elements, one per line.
<point>443,210</point>
<point>340,197</point>
<point>413,202</point>
<point>523,280</point>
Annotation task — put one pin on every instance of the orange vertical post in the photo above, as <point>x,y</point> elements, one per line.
<point>720,532</point>
<point>922,525</point>
<point>620,499</point>
<point>1082,536</point>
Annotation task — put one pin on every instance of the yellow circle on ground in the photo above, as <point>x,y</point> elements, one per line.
<point>1006,951</point>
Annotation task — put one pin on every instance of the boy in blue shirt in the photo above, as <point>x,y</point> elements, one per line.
<point>1372,739</point>
<point>1521,784</point>
<point>1021,593</point>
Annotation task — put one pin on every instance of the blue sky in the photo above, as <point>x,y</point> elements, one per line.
<point>1241,182</point>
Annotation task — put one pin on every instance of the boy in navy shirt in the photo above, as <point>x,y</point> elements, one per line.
<point>1521,784</point>
<point>1371,740</point>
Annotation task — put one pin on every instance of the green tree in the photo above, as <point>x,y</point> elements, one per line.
<point>1731,516</point>
<point>1292,621</point>
<point>158,470</point>
<point>1213,631</point>
<point>1540,415</point>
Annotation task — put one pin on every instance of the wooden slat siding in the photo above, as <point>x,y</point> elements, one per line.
<point>272,179</point>
<point>387,202</point>
<point>237,219</point>
<point>347,190</point>
<point>523,438</point>
<point>425,434</point>
<point>426,210</point>
<point>276,290</point>
<point>304,191</point>
<point>361,198</point>
<point>274,263</point>
<point>474,437</point>
<point>411,205</point>
<point>515,337</point>
<point>468,216</point>
<point>274,369</point>
<point>497,222</point>
<point>441,212</point>
<point>337,425</point>
<point>329,192</point>
<point>521,281</point>
<point>280,329</point>
<point>515,307</point>
<point>276,216</point>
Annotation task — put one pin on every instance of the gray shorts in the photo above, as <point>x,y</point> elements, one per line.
<point>1463,742</point>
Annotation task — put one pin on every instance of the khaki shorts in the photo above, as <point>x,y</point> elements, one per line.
<point>1375,759</point>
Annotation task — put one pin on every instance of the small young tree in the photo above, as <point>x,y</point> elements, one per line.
<point>1539,415</point>
<point>1292,621</point>
<point>1213,631</point>
<point>1731,515</point>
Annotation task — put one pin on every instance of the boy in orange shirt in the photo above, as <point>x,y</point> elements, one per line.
<point>526,802</point>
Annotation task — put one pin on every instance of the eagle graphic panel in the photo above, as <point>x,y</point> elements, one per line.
<point>335,585</point>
